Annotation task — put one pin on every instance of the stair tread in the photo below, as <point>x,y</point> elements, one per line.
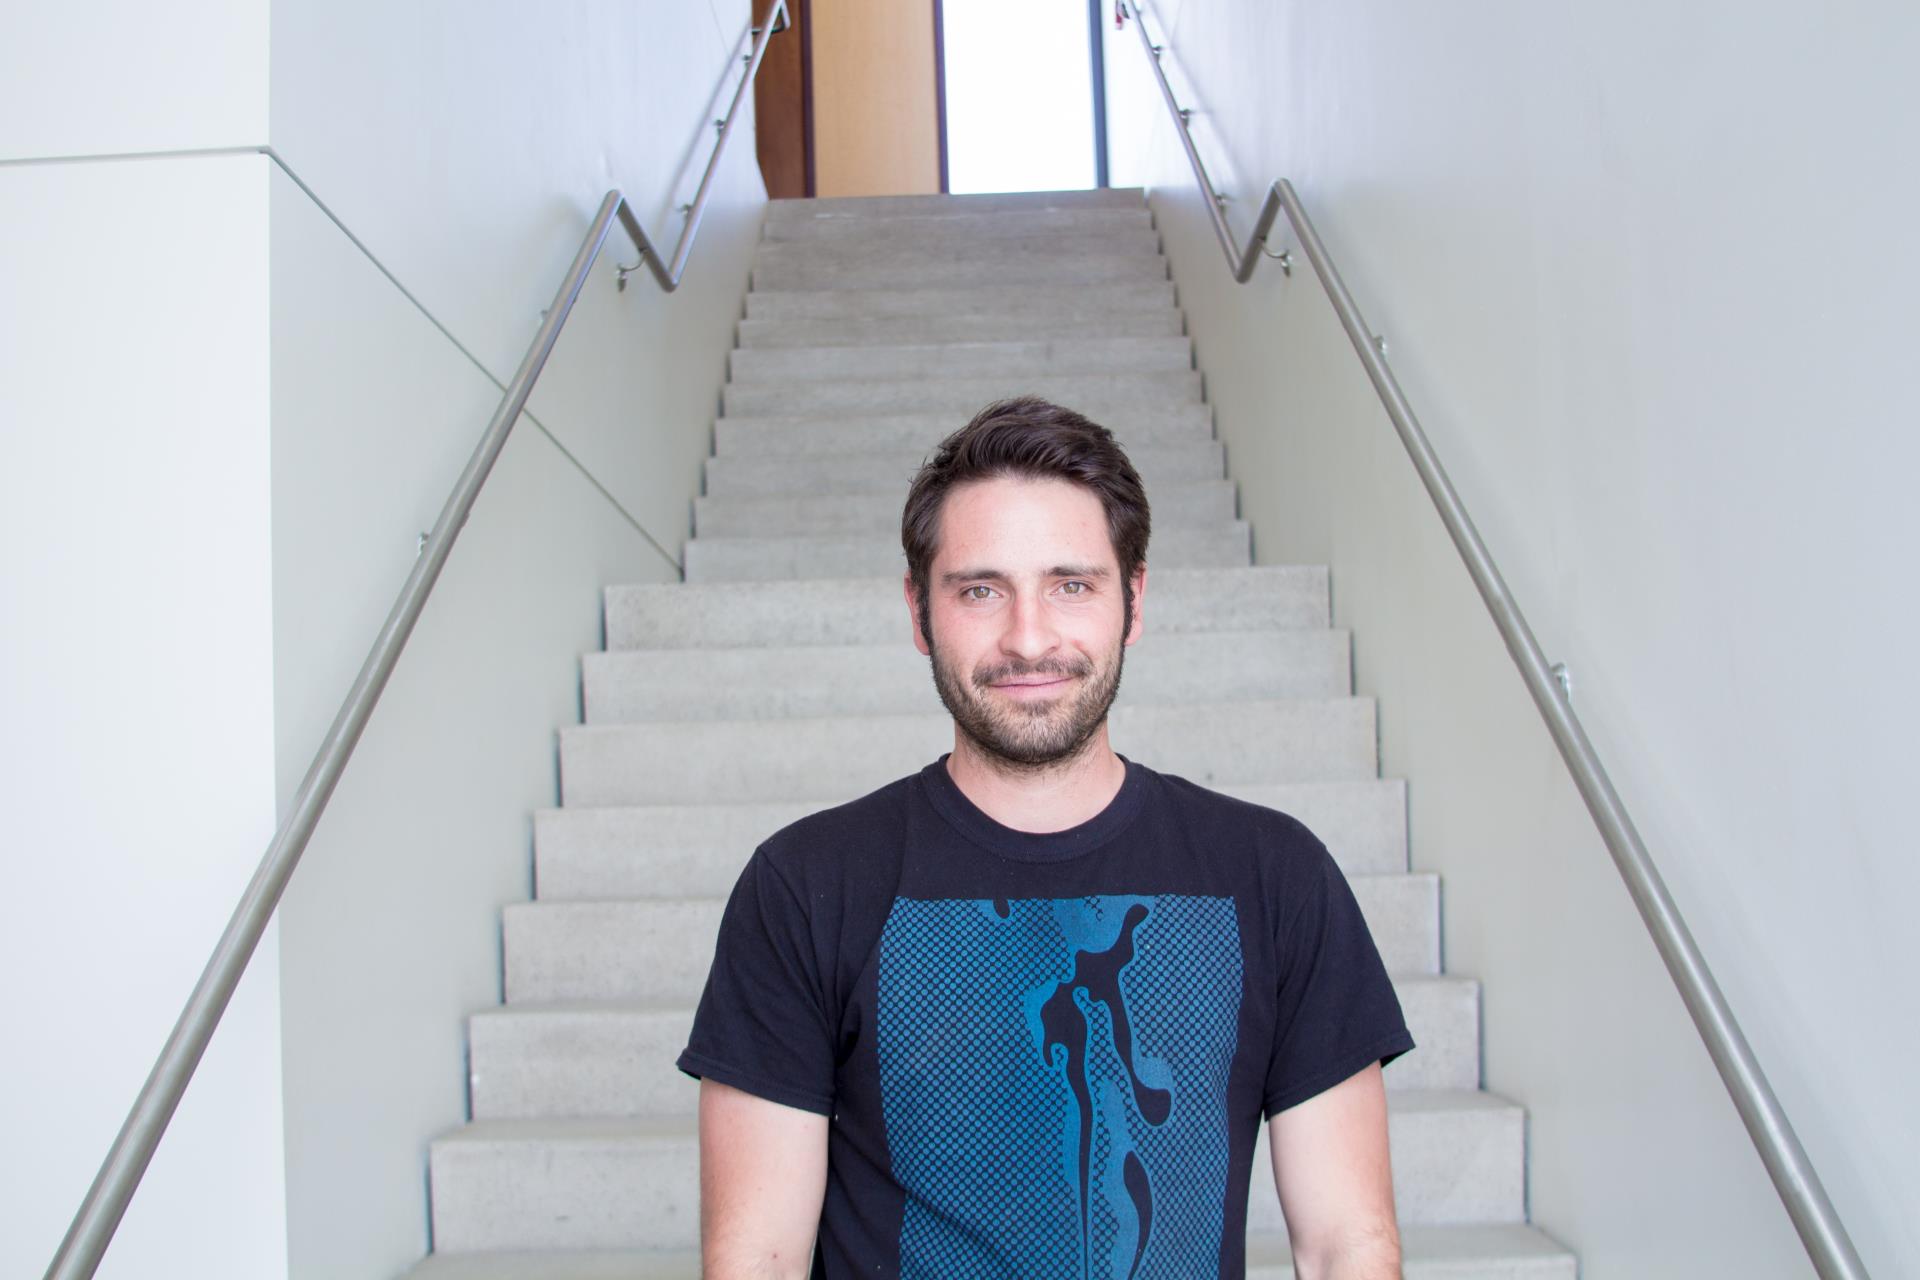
<point>960,223</point>
<point>803,209</point>
<point>892,538</point>
<point>1162,320</point>
<point>1453,1246</point>
<point>860,607</point>
<point>1094,392</point>
<point>1167,437</point>
<point>591,854</point>
<point>714,901</point>
<point>801,501</point>
<point>1215,543</point>
<point>992,346</point>
<point>905,251</point>
<point>859,512</point>
<point>650,813</point>
<point>629,1008</point>
<point>1037,264</point>
<point>1275,573</point>
<point>802,365</point>
<point>1249,707</point>
<point>1090,298</point>
<point>1296,637</point>
<point>621,1130</point>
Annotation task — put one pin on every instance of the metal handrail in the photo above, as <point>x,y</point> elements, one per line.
<point>126,1162</point>
<point>1821,1231</point>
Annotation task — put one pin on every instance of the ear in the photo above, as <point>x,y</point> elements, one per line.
<point>1139,603</point>
<point>913,616</point>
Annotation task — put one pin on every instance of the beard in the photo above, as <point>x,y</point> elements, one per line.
<point>1029,735</point>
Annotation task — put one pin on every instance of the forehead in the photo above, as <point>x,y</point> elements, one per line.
<point>1016,522</point>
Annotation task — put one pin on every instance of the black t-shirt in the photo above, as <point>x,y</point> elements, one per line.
<point>1043,1055</point>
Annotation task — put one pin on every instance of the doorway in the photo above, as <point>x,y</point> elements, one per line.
<point>1022,94</point>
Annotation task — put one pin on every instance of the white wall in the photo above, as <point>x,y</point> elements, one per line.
<point>136,698</point>
<point>224,428</point>
<point>391,929</point>
<point>136,720</point>
<point>103,77</point>
<point>468,158</point>
<point>1647,276</point>
<point>467,144</point>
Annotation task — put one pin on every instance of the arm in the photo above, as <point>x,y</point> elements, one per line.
<point>763,1176</point>
<point>1331,1166</point>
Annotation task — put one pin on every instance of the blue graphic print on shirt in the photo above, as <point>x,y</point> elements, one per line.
<point>1053,1079</point>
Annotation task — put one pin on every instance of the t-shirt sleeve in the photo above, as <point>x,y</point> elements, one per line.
<point>763,1025</point>
<point>1337,1011</point>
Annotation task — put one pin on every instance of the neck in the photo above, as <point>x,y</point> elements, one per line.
<point>1038,798</point>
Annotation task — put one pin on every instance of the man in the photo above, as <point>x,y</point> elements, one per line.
<point>1018,1015</point>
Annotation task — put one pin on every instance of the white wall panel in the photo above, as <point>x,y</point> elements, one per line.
<point>469,163</point>
<point>391,929</point>
<point>467,146</point>
<point>1646,274</point>
<point>136,700</point>
<point>100,77</point>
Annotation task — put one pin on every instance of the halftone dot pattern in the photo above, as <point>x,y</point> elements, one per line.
<point>984,1128</point>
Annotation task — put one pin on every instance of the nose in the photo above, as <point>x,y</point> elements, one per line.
<point>1030,633</point>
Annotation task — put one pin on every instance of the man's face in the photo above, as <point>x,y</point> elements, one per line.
<point>1026,616</point>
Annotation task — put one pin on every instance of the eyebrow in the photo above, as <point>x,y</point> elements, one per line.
<point>958,576</point>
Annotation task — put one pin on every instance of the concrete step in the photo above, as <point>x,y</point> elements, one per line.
<point>841,758</point>
<point>894,679</point>
<point>623,851</point>
<point>1140,430</point>
<point>961,359</point>
<point>1085,303</point>
<point>1098,395</point>
<point>802,514</point>
<point>1458,1156</point>
<point>839,207</point>
<point>562,1264</point>
<point>1158,321</point>
<point>908,266</point>
<point>1218,545</point>
<point>964,226</point>
<point>1471,1252</point>
<point>615,1058</point>
<point>1493,1252</point>
<point>1363,824</point>
<point>768,473</point>
<point>634,1183</point>
<point>873,610</point>
<point>917,243</point>
<point>657,950</point>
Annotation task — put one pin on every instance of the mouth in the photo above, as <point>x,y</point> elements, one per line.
<point>1032,686</point>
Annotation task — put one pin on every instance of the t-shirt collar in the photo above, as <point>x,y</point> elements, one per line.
<point>937,785</point>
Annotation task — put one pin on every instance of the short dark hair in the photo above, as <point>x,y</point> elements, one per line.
<point>1027,436</point>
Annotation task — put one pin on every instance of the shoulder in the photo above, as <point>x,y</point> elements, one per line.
<point>828,844</point>
<point>1268,851</point>
<point>1274,832</point>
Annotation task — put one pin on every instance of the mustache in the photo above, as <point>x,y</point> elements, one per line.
<point>1059,668</point>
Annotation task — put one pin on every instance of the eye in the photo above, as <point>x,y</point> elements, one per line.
<point>1075,588</point>
<point>978,591</point>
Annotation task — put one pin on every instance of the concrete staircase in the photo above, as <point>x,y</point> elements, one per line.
<point>780,678</point>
